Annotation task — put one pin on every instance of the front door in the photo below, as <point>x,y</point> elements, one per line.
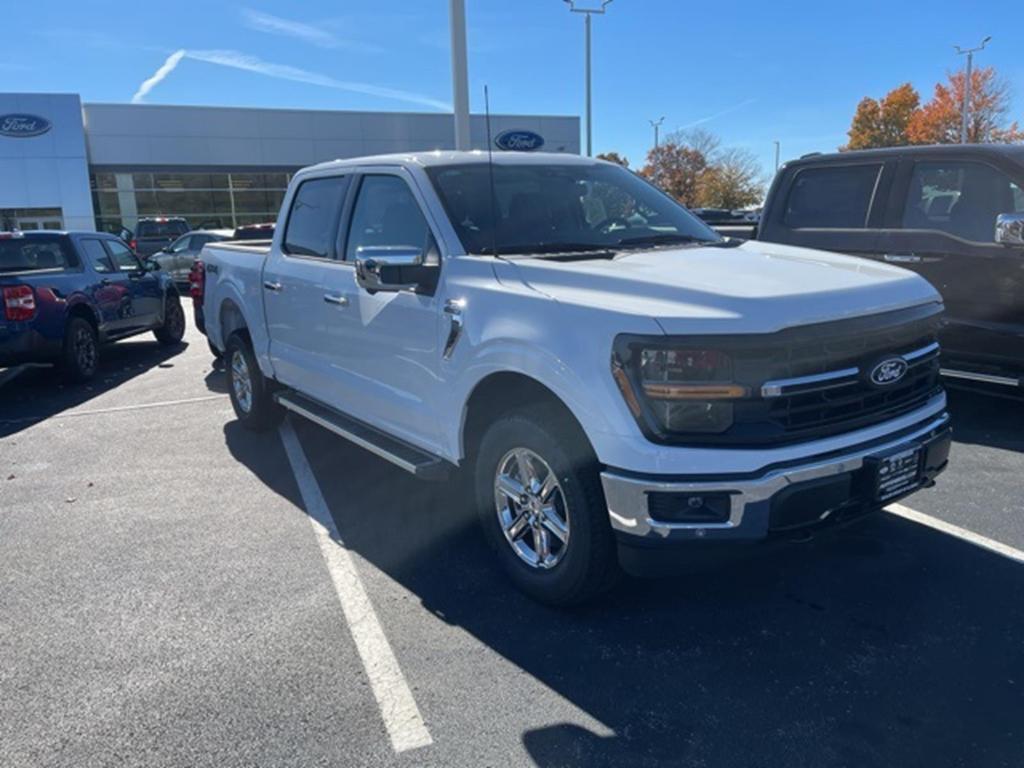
<point>110,291</point>
<point>386,342</point>
<point>145,296</point>
<point>946,233</point>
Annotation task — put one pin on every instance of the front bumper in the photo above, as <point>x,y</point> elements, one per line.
<point>811,491</point>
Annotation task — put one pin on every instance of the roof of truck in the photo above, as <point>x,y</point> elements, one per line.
<point>445,157</point>
<point>1014,151</point>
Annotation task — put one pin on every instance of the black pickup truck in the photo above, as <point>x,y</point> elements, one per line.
<point>953,213</point>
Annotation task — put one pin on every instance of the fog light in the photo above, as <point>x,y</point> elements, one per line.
<point>669,507</point>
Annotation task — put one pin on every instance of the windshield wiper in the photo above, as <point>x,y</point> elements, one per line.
<point>549,249</point>
<point>665,239</point>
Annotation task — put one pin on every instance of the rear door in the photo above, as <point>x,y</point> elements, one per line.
<point>942,225</point>
<point>144,293</point>
<point>834,206</point>
<point>294,284</point>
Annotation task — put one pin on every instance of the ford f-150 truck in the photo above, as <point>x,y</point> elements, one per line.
<point>607,373</point>
<point>66,293</point>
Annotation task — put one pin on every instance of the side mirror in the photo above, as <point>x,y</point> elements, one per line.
<point>392,268</point>
<point>1010,229</point>
<point>151,265</point>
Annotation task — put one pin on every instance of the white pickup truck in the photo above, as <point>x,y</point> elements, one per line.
<point>608,374</point>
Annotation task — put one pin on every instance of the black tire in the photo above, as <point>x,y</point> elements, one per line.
<point>588,563</point>
<point>173,329</point>
<point>80,357</point>
<point>253,403</point>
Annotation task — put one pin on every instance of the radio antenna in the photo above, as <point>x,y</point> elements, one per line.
<point>490,172</point>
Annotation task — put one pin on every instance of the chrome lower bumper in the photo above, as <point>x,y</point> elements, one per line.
<point>626,494</point>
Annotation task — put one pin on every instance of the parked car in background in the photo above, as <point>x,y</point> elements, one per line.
<point>152,235</point>
<point>254,232</point>
<point>67,293</point>
<point>953,214</point>
<point>177,258</point>
<point>608,375</point>
<point>739,222</point>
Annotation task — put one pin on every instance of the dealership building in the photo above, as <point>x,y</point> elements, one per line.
<point>69,165</point>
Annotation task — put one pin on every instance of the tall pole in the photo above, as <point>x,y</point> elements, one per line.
<point>965,110</point>
<point>590,120</point>
<point>588,12</point>
<point>656,124</point>
<point>777,147</point>
<point>460,74</point>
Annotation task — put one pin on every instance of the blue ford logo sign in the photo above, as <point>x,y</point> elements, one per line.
<point>20,126</point>
<point>889,371</point>
<point>519,141</point>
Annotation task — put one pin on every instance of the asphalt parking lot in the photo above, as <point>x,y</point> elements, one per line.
<point>172,592</point>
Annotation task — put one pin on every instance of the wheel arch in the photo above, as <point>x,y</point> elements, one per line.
<point>503,392</point>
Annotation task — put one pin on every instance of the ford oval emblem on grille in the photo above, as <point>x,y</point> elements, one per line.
<point>889,371</point>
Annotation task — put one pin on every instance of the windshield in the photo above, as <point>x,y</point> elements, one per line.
<point>561,208</point>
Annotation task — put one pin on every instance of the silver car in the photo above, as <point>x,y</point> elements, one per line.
<point>176,259</point>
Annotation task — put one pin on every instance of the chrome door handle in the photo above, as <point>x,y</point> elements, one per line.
<point>453,308</point>
<point>271,286</point>
<point>332,298</point>
<point>902,258</point>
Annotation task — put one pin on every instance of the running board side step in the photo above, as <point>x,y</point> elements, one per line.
<point>415,461</point>
<point>987,378</point>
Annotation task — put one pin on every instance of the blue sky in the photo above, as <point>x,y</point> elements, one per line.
<point>751,72</point>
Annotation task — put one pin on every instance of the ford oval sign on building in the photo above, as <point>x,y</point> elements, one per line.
<point>519,141</point>
<point>21,126</point>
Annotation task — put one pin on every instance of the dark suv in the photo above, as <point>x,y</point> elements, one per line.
<point>954,214</point>
<point>153,235</point>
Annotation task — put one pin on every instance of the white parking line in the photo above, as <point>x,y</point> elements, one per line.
<point>401,716</point>
<point>955,530</point>
<point>115,409</point>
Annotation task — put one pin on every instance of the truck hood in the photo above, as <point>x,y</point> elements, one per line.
<point>754,288</point>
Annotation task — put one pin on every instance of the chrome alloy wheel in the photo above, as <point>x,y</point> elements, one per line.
<point>241,381</point>
<point>531,507</point>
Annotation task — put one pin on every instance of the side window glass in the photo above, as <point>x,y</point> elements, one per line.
<point>962,199</point>
<point>124,260</point>
<point>97,255</point>
<point>832,197</point>
<point>181,244</point>
<point>313,217</point>
<point>386,215</point>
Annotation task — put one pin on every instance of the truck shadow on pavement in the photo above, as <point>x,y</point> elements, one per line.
<point>39,393</point>
<point>887,644</point>
<point>987,417</point>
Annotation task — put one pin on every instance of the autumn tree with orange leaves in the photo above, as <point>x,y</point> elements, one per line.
<point>898,119</point>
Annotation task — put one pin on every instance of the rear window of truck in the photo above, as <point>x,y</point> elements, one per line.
<point>161,228</point>
<point>832,197</point>
<point>33,254</point>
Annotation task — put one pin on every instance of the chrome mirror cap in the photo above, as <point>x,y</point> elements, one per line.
<point>380,268</point>
<point>1010,229</point>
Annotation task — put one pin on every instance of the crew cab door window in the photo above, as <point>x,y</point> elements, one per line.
<point>962,199</point>
<point>97,255</point>
<point>832,197</point>
<point>313,217</point>
<point>386,214</point>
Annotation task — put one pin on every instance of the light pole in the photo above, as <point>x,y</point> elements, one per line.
<point>460,77</point>
<point>777,147</point>
<point>966,110</point>
<point>588,12</point>
<point>656,124</point>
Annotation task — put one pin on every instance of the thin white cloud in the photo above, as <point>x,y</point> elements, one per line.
<point>248,63</point>
<point>723,113</point>
<point>165,69</point>
<point>307,33</point>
